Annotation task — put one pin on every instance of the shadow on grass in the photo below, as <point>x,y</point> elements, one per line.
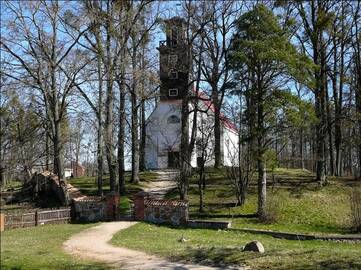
<point>234,256</point>
<point>339,264</point>
<point>207,215</point>
<point>60,266</point>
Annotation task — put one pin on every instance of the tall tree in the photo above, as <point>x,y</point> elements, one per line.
<point>315,18</point>
<point>40,52</point>
<point>263,49</point>
<point>215,68</point>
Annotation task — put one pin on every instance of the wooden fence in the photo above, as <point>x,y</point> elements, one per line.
<point>36,218</point>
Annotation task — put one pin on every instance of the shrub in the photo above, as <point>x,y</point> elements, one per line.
<point>273,210</point>
<point>355,200</point>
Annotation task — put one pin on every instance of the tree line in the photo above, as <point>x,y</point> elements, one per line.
<point>82,76</point>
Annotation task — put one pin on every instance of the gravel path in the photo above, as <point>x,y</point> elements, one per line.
<point>93,244</point>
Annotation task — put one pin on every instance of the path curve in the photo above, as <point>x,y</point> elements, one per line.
<point>93,244</point>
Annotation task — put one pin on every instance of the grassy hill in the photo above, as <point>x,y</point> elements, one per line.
<point>300,205</point>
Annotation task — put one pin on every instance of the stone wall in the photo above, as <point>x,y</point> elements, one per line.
<point>166,211</point>
<point>89,209</point>
<point>93,209</point>
<point>173,212</point>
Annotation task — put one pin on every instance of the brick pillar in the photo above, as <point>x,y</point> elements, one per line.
<point>112,201</point>
<point>139,205</point>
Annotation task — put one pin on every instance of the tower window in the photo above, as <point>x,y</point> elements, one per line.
<point>173,74</point>
<point>173,92</point>
<point>173,119</point>
<point>172,59</point>
<point>174,35</point>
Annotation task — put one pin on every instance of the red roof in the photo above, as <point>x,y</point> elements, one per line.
<point>209,104</point>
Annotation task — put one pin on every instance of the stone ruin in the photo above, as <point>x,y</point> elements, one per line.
<point>43,188</point>
<point>46,184</point>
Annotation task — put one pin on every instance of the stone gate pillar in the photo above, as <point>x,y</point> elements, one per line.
<point>112,205</point>
<point>139,205</point>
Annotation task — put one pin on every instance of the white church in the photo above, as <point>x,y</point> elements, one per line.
<point>163,130</point>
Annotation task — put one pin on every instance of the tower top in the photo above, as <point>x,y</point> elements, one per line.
<point>175,31</point>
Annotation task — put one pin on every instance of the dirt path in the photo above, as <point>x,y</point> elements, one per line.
<point>93,244</point>
<point>165,182</point>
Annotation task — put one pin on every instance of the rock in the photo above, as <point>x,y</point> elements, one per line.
<point>182,239</point>
<point>255,246</point>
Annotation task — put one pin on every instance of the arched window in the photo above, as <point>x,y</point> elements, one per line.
<point>173,119</point>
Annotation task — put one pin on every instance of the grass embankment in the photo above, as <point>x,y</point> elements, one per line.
<point>41,248</point>
<point>221,248</point>
<point>88,186</point>
<point>300,204</point>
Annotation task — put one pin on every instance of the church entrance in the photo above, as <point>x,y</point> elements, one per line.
<point>173,160</point>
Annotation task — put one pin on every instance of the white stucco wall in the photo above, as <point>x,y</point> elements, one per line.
<point>161,135</point>
<point>230,147</point>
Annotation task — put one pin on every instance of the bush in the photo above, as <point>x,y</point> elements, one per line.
<point>355,200</point>
<point>273,210</point>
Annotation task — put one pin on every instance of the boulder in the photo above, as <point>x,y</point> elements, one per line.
<point>254,246</point>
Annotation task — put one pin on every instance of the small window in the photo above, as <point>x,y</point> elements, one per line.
<point>173,92</point>
<point>173,74</point>
<point>172,59</point>
<point>173,119</point>
<point>174,35</point>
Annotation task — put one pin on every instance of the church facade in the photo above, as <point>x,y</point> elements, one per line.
<point>163,130</point>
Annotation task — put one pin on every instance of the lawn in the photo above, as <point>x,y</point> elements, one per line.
<point>300,204</point>
<point>88,184</point>
<point>221,248</point>
<point>41,248</point>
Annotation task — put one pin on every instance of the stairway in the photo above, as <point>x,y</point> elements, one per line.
<point>165,181</point>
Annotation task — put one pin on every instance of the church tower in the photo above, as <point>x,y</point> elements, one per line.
<point>163,126</point>
<point>174,53</point>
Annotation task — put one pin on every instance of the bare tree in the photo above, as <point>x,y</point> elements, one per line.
<point>40,52</point>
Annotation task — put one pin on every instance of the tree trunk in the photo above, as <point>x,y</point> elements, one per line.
<point>100,158</point>
<point>135,139</point>
<point>201,181</point>
<point>320,113</point>
<point>358,104</point>
<point>301,150</point>
<point>100,126</point>
<point>218,153</point>
<point>262,187</point>
<point>135,126</point>
<point>121,134</point>
<point>142,137</point>
<point>58,157</point>
<point>262,177</point>
<point>47,151</point>
<point>109,148</point>
<point>185,168</point>
<point>329,131</point>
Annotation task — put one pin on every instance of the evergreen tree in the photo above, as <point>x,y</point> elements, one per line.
<point>262,49</point>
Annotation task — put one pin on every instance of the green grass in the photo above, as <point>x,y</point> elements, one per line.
<point>11,185</point>
<point>88,184</point>
<point>41,248</point>
<point>222,248</point>
<point>301,205</point>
